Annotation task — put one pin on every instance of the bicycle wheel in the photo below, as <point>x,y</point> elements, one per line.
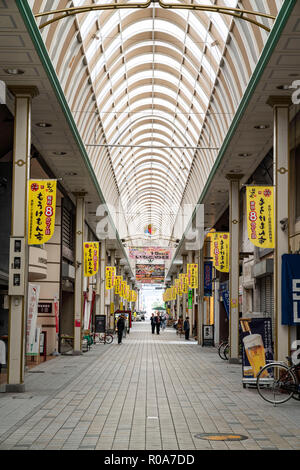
<point>226,351</point>
<point>109,339</point>
<point>223,350</point>
<point>276,383</point>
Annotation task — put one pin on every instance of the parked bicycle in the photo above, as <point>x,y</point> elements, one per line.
<point>106,338</point>
<point>277,382</point>
<point>223,350</point>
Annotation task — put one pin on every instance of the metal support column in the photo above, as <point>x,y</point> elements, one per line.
<point>18,286</point>
<point>281,105</point>
<point>78,290</point>
<point>234,227</point>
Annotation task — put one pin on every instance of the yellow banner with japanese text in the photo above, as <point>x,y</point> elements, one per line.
<point>110,272</point>
<point>221,247</point>
<point>118,285</point>
<point>260,216</point>
<point>41,210</point>
<point>192,274</point>
<point>91,258</point>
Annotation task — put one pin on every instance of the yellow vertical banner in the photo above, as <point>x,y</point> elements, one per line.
<point>185,283</point>
<point>41,210</point>
<point>91,258</point>
<point>123,284</point>
<point>178,286</point>
<point>109,277</point>
<point>192,274</point>
<point>181,283</point>
<point>174,292</point>
<point>260,216</point>
<point>118,285</point>
<point>220,242</point>
<point>127,289</point>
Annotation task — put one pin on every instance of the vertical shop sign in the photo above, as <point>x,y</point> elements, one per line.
<point>190,299</point>
<point>208,278</point>
<point>32,334</point>
<point>185,283</point>
<point>56,313</point>
<point>260,216</point>
<point>290,290</point>
<point>41,210</point>
<point>192,274</point>
<point>174,292</point>
<point>220,241</point>
<point>91,258</point>
<point>109,277</point>
<point>118,285</point>
<point>224,292</point>
<point>256,335</point>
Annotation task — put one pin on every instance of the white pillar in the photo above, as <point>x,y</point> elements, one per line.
<point>102,276</point>
<point>234,228</point>
<point>184,296</point>
<point>281,105</point>
<point>216,312</point>
<point>191,308</point>
<point>178,298</point>
<point>112,292</point>
<point>201,296</point>
<point>18,293</point>
<point>122,302</point>
<point>79,277</point>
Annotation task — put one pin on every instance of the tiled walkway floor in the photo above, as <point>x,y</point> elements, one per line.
<point>151,392</point>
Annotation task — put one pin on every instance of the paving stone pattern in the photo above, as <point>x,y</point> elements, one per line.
<point>151,392</point>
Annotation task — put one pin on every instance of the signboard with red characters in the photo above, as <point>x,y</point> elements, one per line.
<point>41,211</point>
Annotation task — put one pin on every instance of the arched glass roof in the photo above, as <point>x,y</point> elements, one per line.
<point>153,73</point>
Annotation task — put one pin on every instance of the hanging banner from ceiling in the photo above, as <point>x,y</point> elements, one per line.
<point>123,289</point>
<point>91,258</point>
<point>208,267</point>
<point>220,241</point>
<point>150,252</point>
<point>150,273</point>
<point>184,282</point>
<point>41,211</point>
<point>260,216</point>
<point>174,292</point>
<point>118,285</point>
<point>178,287</point>
<point>110,273</point>
<point>192,274</point>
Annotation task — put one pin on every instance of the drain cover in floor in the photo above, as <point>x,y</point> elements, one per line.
<point>221,437</point>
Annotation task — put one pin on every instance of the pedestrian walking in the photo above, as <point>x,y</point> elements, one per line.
<point>186,327</point>
<point>120,327</point>
<point>157,323</point>
<point>153,323</point>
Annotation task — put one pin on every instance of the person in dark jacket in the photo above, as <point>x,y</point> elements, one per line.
<point>186,327</point>
<point>157,323</point>
<point>153,323</point>
<point>120,327</point>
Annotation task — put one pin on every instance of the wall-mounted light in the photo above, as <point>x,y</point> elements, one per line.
<point>261,126</point>
<point>43,124</point>
<point>14,71</point>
